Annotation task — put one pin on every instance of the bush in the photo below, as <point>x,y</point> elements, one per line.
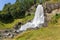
<point>55,18</point>
<point>7,18</point>
<point>15,11</point>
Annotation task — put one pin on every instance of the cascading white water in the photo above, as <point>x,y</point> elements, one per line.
<point>36,22</point>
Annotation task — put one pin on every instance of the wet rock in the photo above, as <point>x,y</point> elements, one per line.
<point>20,23</point>
<point>16,27</point>
<point>7,34</point>
<point>16,32</point>
<point>6,31</point>
<point>11,35</point>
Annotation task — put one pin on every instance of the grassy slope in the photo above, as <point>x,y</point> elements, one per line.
<point>52,32</point>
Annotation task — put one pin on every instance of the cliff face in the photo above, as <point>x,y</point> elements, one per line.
<point>49,7</point>
<point>50,10</point>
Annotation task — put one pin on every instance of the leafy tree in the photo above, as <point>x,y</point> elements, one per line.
<point>7,18</point>
<point>14,11</point>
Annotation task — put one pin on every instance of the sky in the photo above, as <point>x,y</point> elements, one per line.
<point>3,2</point>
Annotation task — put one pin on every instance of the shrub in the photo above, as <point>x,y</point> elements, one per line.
<point>55,18</point>
<point>6,18</point>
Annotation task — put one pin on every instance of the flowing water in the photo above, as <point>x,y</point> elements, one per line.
<point>37,21</point>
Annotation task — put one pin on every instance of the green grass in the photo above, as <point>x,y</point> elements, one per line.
<point>11,25</point>
<point>52,32</point>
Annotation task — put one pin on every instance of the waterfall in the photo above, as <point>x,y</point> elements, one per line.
<point>36,22</point>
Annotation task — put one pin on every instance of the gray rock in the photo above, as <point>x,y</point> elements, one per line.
<point>51,6</point>
<point>48,8</point>
<point>56,5</point>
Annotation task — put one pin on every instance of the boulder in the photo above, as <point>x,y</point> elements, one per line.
<point>56,5</point>
<point>51,6</point>
<point>16,27</point>
<point>48,8</point>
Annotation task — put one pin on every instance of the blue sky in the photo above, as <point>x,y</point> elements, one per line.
<point>3,2</point>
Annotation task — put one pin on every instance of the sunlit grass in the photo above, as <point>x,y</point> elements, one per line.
<point>52,32</point>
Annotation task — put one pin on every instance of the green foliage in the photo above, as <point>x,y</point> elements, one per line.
<point>5,25</point>
<point>0,11</point>
<point>45,33</point>
<point>0,17</point>
<point>7,18</point>
<point>55,18</point>
<point>41,1</point>
<point>6,6</point>
<point>15,11</point>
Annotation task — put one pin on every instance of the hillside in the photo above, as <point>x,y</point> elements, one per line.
<point>51,32</point>
<point>19,12</point>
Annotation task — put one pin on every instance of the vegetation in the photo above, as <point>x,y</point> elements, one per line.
<point>12,12</point>
<point>55,18</point>
<point>15,11</point>
<point>12,24</point>
<point>51,32</point>
<point>45,33</point>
